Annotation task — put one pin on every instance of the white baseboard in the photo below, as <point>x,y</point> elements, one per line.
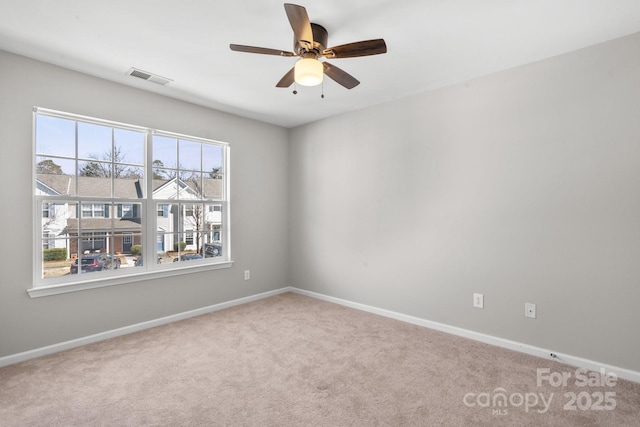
<point>66,345</point>
<point>578,362</point>
<point>623,373</point>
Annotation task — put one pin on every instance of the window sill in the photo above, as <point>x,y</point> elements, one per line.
<point>43,291</point>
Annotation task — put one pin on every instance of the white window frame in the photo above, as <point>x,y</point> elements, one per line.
<point>148,213</point>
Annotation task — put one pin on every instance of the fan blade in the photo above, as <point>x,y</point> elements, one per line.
<point>351,50</point>
<point>341,77</point>
<point>287,80</point>
<point>300,24</point>
<point>262,50</point>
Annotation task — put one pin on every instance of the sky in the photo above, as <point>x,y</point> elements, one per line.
<point>56,140</point>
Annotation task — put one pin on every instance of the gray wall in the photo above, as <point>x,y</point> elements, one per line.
<point>259,198</point>
<point>522,185</point>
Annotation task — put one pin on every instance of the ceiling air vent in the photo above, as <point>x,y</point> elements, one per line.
<point>144,75</point>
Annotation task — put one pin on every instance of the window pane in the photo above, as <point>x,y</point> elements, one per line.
<point>190,155</point>
<point>168,223</point>
<point>94,142</point>
<point>187,252</point>
<point>93,242</point>
<point>192,186</point>
<point>51,183</point>
<point>161,177</point>
<point>56,260</point>
<point>55,166</point>
<point>129,146</point>
<point>212,159</point>
<point>198,242</point>
<point>94,186</point>
<point>131,185</point>
<point>96,210</point>
<point>212,217</point>
<point>121,170</point>
<point>170,246</point>
<point>95,169</point>
<point>54,224</point>
<point>212,188</point>
<point>95,262</point>
<point>164,245</point>
<point>124,243</point>
<point>193,217</point>
<point>55,136</point>
<point>212,241</point>
<point>165,235</point>
<point>164,152</point>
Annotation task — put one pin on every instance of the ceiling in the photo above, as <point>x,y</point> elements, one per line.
<point>431,44</point>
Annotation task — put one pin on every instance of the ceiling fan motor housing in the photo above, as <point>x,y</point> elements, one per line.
<point>320,41</point>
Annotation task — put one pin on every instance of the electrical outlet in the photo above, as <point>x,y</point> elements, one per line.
<point>247,274</point>
<point>478,300</point>
<point>529,310</point>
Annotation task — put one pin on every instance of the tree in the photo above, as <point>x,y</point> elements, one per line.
<point>48,167</point>
<point>96,170</point>
<point>195,215</point>
<point>101,167</point>
<point>158,174</point>
<point>215,173</point>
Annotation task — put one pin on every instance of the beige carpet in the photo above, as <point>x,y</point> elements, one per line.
<point>291,360</point>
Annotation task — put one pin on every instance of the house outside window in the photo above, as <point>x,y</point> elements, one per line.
<point>93,194</point>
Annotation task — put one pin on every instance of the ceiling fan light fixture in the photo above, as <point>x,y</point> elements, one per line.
<point>308,72</point>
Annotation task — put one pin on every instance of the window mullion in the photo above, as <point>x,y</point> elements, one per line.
<point>149,222</point>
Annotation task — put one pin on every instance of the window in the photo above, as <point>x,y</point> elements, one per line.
<point>46,210</point>
<point>192,177</point>
<point>112,188</point>
<point>93,210</point>
<point>46,242</point>
<point>128,210</point>
<point>92,242</point>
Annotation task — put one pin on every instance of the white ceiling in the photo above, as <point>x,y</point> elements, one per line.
<point>431,43</point>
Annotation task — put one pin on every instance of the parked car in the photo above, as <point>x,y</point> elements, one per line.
<point>188,257</point>
<point>96,262</point>
<point>212,249</point>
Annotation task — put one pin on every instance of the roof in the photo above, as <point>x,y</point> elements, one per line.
<point>123,188</point>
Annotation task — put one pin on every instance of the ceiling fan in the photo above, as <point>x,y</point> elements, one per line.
<point>310,44</point>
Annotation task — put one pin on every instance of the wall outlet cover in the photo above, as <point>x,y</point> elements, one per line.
<point>478,300</point>
<point>530,310</point>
